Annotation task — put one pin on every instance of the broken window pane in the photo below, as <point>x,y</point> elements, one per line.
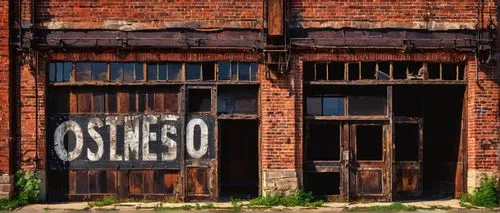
<point>333,106</point>
<point>162,72</point>
<point>224,70</point>
<point>254,67</point>
<point>383,72</point>
<point>367,105</point>
<point>199,100</point>
<point>68,69</point>
<point>406,142</point>
<point>116,71</point>
<point>99,71</point>
<point>193,71</point>
<point>174,71</point>
<point>244,71</point>
<point>128,72</point>
<point>369,142</point>
<point>313,106</point>
<point>237,100</point>
<point>323,142</point>
<point>83,71</point>
<point>208,71</point>
<point>152,71</point>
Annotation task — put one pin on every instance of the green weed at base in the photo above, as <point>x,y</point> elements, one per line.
<point>103,202</point>
<point>383,208</point>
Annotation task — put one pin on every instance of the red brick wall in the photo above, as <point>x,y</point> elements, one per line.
<point>455,14</point>
<point>150,14</point>
<point>4,87</point>
<point>483,118</point>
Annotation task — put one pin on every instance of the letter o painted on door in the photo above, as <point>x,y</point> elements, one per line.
<point>197,154</point>
<point>61,130</point>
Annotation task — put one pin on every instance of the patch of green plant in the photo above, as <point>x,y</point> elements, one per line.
<point>103,202</point>
<point>170,200</point>
<point>386,208</point>
<point>27,191</point>
<point>299,198</point>
<point>236,205</point>
<point>160,207</point>
<point>486,195</point>
<point>467,205</point>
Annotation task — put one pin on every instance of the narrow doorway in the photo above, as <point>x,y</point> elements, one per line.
<point>239,170</point>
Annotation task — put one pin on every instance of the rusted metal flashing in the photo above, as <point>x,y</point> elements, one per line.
<point>464,40</point>
<point>182,39</point>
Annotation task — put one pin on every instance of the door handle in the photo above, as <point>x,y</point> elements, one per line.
<point>346,157</point>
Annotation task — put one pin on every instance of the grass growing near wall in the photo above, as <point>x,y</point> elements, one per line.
<point>103,202</point>
<point>386,208</point>
<point>27,191</point>
<point>486,195</point>
<point>299,198</point>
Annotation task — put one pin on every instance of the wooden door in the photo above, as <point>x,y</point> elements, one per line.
<point>368,176</point>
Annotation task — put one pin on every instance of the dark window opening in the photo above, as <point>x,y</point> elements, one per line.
<point>406,142</point>
<point>254,69</point>
<point>208,71</point>
<point>237,100</point>
<point>132,101</point>
<point>320,71</point>
<point>199,100</point>
<point>308,71</point>
<point>322,184</point>
<point>224,70</point>
<point>369,142</point>
<point>399,70</point>
<point>244,71</point>
<point>193,71</point>
<point>414,68</point>
<point>354,71</point>
<point>368,70</point>
<point>367,105</point>
<point>239,172</point>
<point>323,142</point>
<point>112,102</point>
<point>336,71</point>
<point>139,71</point>
<point>434,71</point>
<point>407,101</point>
<point>461,72</point>
<point>59,100</point>
<point>449,71</point>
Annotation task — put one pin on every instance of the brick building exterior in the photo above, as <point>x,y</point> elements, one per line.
<point>379,99</point>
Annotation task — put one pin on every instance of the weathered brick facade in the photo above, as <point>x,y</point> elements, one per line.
<point>281,95</point>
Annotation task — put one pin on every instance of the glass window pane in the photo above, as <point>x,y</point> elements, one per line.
<point>174,71</point>
<point>68,69</point>
<point>116,71</point>
<point>128,72</point>
<point>333,106</point>
<point>313,105</point>
<point>193,71</point>
<point>254,67</point>
<point>52,72</point>
<point>224,70</point>
<point>152,72</point>
<point>139,72</point>
<point>367,105</point>
<point>162,72</point>
<point>234,71</point>
<point>244,71</point>
<point>99,71</point>
<point>83,71</point>
<point>60,72</point>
